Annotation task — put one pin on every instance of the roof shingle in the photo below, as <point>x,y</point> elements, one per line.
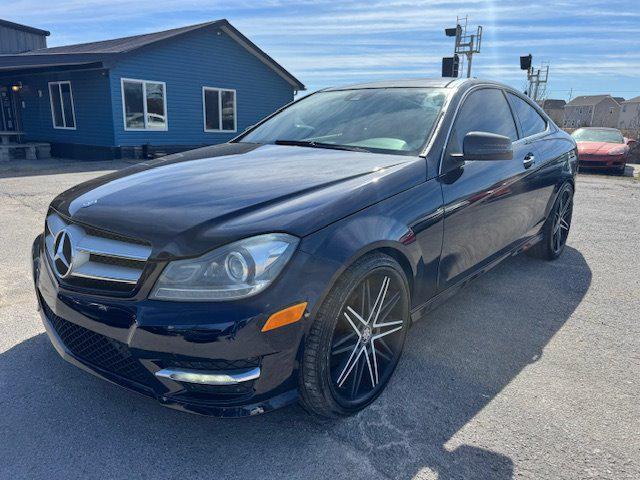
<point>585,100</point>
<point>120,45</point>
<point>24,28</point>
<point>84,53</point>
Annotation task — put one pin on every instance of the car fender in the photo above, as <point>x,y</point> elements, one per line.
<point>407,226</point>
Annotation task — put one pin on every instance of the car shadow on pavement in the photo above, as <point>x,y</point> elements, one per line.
<point>59,422</point>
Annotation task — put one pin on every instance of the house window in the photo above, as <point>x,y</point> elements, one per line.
<point>219,109</point>
<point>144,104</point>
<point>63,114</point>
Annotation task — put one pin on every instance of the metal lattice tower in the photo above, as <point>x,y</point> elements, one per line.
<point>538,79</point>
<point>467,43</point>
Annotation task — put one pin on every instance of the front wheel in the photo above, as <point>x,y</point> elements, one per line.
<point>556,229</point>
<point>356,339</point>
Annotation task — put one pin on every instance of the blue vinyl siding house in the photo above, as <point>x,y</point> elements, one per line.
<point>147,94</point>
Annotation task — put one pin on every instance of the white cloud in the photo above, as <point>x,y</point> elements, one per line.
<point>324,41</point>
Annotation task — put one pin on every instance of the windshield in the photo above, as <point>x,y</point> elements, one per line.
<point>594,135</point>
<point>394,120</point>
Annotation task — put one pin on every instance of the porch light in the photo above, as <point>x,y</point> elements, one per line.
<point>16,88</point>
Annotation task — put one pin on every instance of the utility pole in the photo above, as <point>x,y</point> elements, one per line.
<point>466,44</point>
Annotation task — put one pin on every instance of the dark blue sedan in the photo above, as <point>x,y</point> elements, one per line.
<point>289,264</point>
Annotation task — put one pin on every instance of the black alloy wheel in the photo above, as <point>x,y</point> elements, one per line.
<point>367,339</point>
<point>357,338</point>
<point>556,229</point>
<point>562,221</point>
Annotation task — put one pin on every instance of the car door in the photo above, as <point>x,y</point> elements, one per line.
<point>538,180</point>
<point>484,215</point>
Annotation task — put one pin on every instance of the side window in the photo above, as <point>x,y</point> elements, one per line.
<point>219,107</point>
<point>62,111</point>
<point>530,120</point>
<point>484,110</point>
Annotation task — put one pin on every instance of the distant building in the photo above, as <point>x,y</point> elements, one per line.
<point>146,94</point>
<point>630,115</point>
<point>592,111</point>
<point>555,109</point>
<point>16,38</point>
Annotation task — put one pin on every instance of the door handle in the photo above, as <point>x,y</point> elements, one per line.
<point>529,160</point>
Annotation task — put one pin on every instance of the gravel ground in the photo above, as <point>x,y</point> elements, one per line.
<point>531,372</point>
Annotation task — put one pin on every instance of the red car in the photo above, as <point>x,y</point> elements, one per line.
<point>602,148</point>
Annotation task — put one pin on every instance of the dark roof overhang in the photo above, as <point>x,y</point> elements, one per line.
<point>111,50</point>
<point>24,28</point>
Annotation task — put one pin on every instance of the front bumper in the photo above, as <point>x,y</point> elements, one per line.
<point>129,341</point>
<point>601,161</point>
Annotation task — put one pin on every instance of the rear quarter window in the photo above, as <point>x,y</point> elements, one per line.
<point>531,122</point>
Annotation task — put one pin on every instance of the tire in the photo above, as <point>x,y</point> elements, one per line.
<point>333,344</point>
<point>548,247</point>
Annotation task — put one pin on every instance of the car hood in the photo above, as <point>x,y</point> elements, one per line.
<point>599,148</point>
<point>188,203</point>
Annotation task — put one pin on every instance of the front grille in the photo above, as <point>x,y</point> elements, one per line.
<point>593,158</point>
<point>93,259</point>
<point>120,262</point>
<point>593,163</point>
<point>97,350</point>
<point>112,236</point>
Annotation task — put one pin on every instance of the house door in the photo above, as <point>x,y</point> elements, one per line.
<point>8,109</point>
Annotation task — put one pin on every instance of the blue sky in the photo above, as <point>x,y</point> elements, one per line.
<point>592,46</point>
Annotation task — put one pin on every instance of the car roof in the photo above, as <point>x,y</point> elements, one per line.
<point>434,82</point>
<point>441,82</point>
<point>600,128</point>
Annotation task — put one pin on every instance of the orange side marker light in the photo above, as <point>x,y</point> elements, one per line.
<point>285,317</point>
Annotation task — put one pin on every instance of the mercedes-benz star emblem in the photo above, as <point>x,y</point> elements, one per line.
<point>63,254</point>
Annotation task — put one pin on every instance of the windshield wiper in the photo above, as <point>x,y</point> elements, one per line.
<point>314,144</point>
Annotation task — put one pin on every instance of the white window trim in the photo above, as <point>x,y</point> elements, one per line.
<point>144,105</point>
<point>73,108</point>
<point>235,110</point>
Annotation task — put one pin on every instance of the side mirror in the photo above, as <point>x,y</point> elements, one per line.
<point>486,146</point>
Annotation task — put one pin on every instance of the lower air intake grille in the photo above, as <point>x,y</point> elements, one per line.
<point>98,350</point>
<point>593,163</point>
<point>216,364</point>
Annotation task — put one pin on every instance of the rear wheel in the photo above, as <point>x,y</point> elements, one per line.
<point>356,339</point>
<point>556,228</point>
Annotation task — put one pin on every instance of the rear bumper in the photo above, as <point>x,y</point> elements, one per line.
<point>131,343</point>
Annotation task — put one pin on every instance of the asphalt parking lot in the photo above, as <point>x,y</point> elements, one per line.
<point>531,372</point>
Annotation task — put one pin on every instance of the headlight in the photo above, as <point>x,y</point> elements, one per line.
<point>237,270</point>
<point>618,151</point>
